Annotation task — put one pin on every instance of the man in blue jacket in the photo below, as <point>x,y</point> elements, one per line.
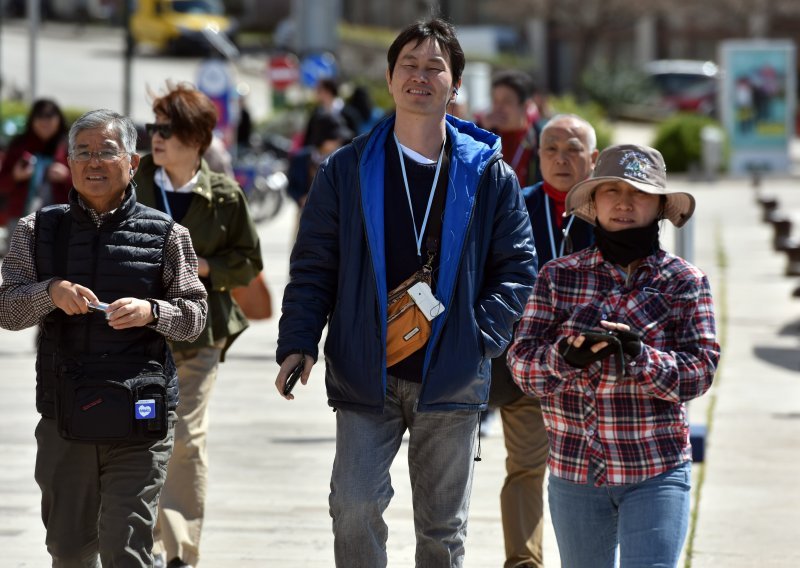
<point>362,233</point>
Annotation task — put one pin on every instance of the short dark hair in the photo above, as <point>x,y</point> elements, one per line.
<point>191,113</point>
<point>439,31</point>
<point>519,82</point>
<point>329,84</point>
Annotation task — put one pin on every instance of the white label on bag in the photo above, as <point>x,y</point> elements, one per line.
<point>428,304</point>
<point>411,334</point>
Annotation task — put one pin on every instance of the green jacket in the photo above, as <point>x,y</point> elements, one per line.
<point>224,234</point>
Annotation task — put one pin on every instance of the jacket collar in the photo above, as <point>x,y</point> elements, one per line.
<point>147,170</point>
<point>81,211</point>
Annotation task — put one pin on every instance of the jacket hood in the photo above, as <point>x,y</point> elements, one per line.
<point>475,148</point>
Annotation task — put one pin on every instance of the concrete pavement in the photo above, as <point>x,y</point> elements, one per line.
<point>271,459</point>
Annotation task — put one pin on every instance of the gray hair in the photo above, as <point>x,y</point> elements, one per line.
<point>103,118</point>
<point>591,135</point>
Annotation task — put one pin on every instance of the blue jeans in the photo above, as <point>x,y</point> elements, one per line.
<point>441,450</point>
<point>648,520</point>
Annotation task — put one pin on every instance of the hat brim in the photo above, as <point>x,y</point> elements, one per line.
<point>678,209</point>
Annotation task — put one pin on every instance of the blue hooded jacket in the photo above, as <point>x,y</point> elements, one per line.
<point>337,273</point>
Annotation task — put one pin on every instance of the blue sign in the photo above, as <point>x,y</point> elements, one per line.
<point>145,409</point>
<point>315,67</point>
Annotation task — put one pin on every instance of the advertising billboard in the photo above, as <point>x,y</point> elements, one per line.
<point>758,103</point>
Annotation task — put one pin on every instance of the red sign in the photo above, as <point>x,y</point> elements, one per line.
<point>283,71</point>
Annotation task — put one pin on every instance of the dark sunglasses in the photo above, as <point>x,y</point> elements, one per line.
<point>163,130</point>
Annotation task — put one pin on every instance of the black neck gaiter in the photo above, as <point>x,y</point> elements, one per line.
<point>625,246</point>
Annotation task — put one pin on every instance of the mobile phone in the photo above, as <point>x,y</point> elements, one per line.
<point>294,376</point>
<point>592,337</point>
<point>99,307</point>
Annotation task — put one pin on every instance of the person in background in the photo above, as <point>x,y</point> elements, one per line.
<point>35,170</point>
<point>359,112</point>
<point>328,102</point>
<point>615,339</point>
<point>426,193</point>
<point>567,153</point>
<point>333,133</point>
<point>175,179</point>
<point>99,500</point>
<point>515,118</point>
<point>244,129</point>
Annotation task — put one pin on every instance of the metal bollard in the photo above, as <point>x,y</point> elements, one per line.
<point>782,226</point>
<point>684,241</point>
<point>768,205</point>
<point>793,260</point>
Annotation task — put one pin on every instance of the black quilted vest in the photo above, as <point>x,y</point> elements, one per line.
<point>123,257</point>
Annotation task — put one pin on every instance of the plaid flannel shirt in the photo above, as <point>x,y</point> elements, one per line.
<point>631,427</point>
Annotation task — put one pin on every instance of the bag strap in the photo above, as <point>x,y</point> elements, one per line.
<point>433,241</point>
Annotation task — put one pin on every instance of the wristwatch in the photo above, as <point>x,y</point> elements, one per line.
<point>154,309</point>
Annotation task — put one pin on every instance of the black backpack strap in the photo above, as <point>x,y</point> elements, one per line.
<point>434,238</point>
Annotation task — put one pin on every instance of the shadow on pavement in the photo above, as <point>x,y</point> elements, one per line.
<point>785,357</point>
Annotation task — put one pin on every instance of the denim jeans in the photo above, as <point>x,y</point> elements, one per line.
<point>648,520</point>
<point>441,450</point>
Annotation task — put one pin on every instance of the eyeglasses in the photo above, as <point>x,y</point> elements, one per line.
<point>102,155</point>
<point>163,130</point>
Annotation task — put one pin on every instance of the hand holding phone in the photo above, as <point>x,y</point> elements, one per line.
<point>99,307</point>
<point>584,356</point>
<point>294,376</point>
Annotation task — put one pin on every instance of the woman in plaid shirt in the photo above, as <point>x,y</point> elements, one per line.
<point>614,340</point>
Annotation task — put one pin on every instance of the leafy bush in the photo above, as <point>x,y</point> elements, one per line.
<point>678,140</point>
<point>14,115</point>
<point>591,112</point>
<point>614,89</point>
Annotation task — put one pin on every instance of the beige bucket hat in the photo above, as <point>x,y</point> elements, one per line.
<point>639,166</point>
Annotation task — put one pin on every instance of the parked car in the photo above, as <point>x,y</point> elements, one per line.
<point>685,85</point>
<point>177,26</point>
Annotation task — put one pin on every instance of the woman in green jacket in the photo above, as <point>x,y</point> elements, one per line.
<point>175,179</point>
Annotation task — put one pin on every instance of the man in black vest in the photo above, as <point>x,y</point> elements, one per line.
<point>107,280</point>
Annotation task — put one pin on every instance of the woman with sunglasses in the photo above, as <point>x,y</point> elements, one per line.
<point>615,339</point>
<point>175,179</point>
<point>35,171</point>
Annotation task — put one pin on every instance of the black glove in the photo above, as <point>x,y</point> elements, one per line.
<point>631,343</point>
<point>583,356</point>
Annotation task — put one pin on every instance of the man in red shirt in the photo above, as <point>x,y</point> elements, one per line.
<point>514,117</point>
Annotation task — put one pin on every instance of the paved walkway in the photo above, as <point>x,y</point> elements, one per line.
<point>271,459</point>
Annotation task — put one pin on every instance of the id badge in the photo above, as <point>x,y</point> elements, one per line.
<point>429,305</point>
<point>145,409</point>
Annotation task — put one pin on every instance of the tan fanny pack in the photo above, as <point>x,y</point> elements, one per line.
<point>407,329</point>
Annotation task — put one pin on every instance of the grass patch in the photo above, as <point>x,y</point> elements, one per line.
<point>721,301</point>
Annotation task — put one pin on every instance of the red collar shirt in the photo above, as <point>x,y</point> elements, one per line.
<point>624,428</point>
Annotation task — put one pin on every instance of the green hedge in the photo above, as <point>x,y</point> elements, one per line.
<point>14,114</point>
<point>591,112</point>
<point>678,140</point>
